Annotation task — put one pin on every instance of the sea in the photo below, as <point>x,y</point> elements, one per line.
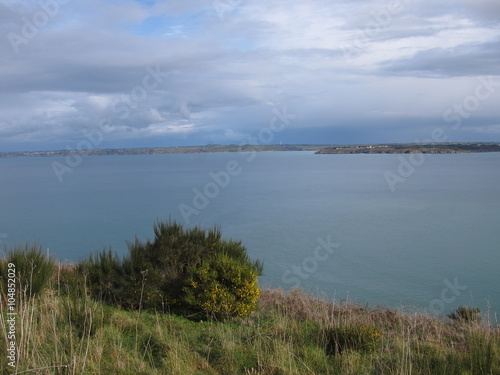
<point>413,232</point>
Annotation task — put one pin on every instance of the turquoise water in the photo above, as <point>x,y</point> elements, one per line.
<point>326,223</point>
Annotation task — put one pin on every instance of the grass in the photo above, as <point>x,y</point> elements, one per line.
<point>64,332</point>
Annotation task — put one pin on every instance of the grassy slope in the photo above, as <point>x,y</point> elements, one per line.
<point>290,333</point>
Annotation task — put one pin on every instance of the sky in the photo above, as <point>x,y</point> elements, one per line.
<point>78,74</point>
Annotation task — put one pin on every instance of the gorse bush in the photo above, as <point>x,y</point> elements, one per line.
<point>33,268</point>
<point>69,281</point>
<point>103,272</point>
<point>222,287</point>
<point>170,274</point>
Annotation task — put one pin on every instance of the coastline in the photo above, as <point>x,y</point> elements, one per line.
<point>392,148</point>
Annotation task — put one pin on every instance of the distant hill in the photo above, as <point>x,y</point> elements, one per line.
<point>164,150</point>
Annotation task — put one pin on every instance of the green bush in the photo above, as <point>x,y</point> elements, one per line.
<point>33,268</point>
<point>222,287</point>
<point>159,274</point>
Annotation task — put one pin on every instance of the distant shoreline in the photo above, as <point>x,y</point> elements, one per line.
<point>413,148</point>
<point>208,149</point>
<point>395,148</point>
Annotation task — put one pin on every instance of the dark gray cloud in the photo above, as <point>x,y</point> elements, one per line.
<point>464,60</point>
<point>483,11</point>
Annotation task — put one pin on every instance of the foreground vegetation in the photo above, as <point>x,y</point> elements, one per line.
<point>65,325</point>
<point>290,333</point>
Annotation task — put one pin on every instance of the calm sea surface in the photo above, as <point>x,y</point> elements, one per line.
<point>327,223</point>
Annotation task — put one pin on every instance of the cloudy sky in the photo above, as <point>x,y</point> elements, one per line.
<point>139,73</point>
